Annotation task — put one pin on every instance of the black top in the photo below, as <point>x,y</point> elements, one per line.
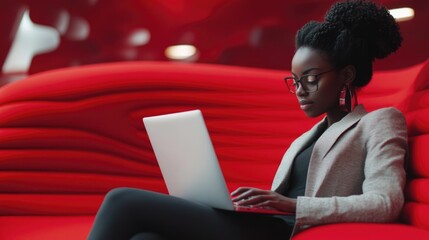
<point>298,176</point>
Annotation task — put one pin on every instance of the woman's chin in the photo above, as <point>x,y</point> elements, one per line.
<point>312,114</point>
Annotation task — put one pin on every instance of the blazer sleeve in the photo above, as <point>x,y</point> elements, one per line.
<point>382,196</point>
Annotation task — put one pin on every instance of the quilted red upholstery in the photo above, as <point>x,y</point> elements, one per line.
<point>416,106</point>
<point>68,136</point>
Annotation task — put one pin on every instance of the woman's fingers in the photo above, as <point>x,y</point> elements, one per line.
<point>240,190</point>
<point>246,193</point>
<point>254,200</point>
<point>250,196</point>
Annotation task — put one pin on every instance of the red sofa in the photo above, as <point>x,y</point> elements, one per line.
<point>68,136</point>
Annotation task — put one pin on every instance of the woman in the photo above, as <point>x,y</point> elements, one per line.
<point>347,168</point>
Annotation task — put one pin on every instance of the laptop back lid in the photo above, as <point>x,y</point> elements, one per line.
<point>187,159</point>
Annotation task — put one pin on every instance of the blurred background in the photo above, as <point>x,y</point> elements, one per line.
<point>39,35</point>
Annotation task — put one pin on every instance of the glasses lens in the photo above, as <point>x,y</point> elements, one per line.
<point>309,83</point>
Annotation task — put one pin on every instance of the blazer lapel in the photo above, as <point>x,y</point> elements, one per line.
<point>283,172</point>
<point>324,144</point>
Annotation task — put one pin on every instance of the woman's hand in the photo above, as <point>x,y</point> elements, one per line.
<point>246,196</point>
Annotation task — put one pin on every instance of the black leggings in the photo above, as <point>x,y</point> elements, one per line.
<point>137,214</point>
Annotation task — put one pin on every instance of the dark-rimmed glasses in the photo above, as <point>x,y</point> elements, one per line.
<point>308,82</point>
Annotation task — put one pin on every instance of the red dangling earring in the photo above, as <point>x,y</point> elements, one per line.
<point>348,99</point>
<point>343,95</point>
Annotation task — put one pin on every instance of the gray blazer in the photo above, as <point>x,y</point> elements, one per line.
<point>356,171</point>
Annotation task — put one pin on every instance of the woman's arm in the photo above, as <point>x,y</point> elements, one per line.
<point>382,189</point>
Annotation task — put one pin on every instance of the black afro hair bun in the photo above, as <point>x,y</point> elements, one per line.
<point>354,32</point>
<point>369,21</point>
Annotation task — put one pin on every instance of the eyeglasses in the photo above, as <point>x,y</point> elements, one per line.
<point>309,82</point>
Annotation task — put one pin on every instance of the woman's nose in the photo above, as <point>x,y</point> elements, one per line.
<point>300,90</point>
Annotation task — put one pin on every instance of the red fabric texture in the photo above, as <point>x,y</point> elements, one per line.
<point>416,109</point>
<point>359,231</point>
<point>418,159</point>
<point>45,227</point>
<point>68,136</point>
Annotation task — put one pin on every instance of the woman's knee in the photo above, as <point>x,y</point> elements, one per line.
<point>119,196</point>
<point>118,193</point>
<point>124,196</point>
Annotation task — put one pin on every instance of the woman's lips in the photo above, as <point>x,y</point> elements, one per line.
<point>305,104</point>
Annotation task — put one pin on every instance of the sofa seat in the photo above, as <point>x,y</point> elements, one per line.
<point>45,227</point>
<point>366,231</point>
<point>68,136</point>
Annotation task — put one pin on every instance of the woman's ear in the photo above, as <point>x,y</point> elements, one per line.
<point>349,74</point>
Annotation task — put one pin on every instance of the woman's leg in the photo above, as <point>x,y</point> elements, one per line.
<point>127,212</point>
<point>147,236</point>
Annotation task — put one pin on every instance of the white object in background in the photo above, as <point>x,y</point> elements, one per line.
<point>30,39</point>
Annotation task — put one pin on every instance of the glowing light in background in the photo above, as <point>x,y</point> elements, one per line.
<point>181,52</point>
<point>402,14</point>
<point>78,29</point>
<point>63,21</point>
<point>139,37</point>
<point>30,39</point>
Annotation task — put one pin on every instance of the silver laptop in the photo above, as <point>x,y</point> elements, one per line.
<point>188,162</point>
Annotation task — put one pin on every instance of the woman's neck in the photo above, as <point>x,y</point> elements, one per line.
<point>335,116</point>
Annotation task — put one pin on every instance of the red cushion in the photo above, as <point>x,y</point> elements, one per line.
<point>417,214</point>
<point>416,101</point>
<point>70,135</point>
<point>422,80</point>
<point>389,88</point>
<point>45,227</point>
<point>419,156</point>
<point>83,134</point>
<point>359,231</point>
<point>417,190</point>
<point>49,204</point>
<point>418,122</point>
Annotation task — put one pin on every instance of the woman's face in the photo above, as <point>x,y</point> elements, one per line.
<point>326,99</point>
